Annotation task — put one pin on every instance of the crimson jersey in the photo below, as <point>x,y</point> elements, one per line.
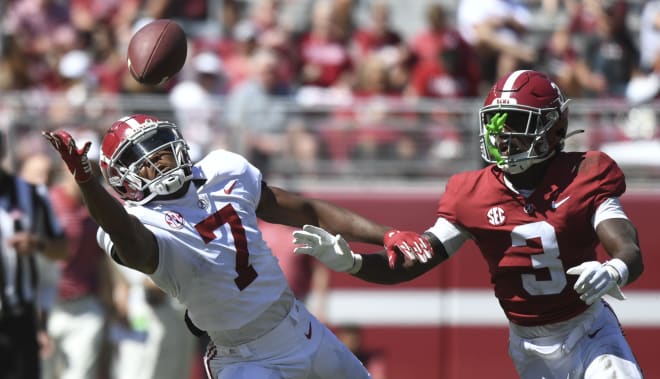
<point>529,243</point>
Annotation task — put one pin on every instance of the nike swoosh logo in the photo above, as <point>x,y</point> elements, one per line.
<point>592,335</point>
<point>309,331</point>
<point>230,186</point>
<point>557,204</point>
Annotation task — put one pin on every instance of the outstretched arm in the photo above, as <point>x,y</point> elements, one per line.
<point>133,243</point>
<point>334,252</point>
<point>284,207</point>
<point>379,268</point>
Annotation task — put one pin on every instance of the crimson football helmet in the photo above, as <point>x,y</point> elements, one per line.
<point>523,121</point>
<point>128,145</point>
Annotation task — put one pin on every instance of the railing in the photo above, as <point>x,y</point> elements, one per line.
<point>342,139</point>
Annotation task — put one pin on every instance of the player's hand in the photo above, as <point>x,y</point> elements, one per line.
<point>26,243</point>
<point>596,279</point>
<point>333,251</point>
<point>411,244</point>
<point>75,159</point>
<point>46,344</point>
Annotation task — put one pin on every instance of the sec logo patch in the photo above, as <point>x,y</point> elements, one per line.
<point>173,219</point>
<point>496,216</point>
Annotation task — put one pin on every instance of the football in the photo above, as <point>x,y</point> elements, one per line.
<point>157,51</point>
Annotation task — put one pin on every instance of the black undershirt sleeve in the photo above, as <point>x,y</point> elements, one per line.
<point>437,246</point>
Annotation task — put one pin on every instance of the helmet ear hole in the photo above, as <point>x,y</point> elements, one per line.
<point>562,125</point>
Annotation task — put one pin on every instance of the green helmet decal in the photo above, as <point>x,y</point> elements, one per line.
<point>494,127</point>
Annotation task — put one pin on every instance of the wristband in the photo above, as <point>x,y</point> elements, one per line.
<point>357,264</point>
<point>621,269</point>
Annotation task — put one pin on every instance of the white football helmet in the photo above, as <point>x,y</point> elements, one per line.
<point>126,148</point>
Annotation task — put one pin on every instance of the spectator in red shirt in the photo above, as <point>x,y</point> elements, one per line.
<point>34,27</point>
<point>378,34</point>
<point>87,14</point>
<point>447,66</point>
<point>108,65</point>
<point>273,35</point>
<point>237,62</point>
<point>324,56</point>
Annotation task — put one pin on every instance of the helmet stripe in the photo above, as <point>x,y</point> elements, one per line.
<point>509,83</point>
<point>133,123</point>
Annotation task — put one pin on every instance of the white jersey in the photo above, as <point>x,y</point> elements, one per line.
<point>212,257</point>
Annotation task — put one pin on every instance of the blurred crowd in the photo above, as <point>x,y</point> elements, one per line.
<point>365,89</point>
<point>294,83</point>
<point>323,44</point>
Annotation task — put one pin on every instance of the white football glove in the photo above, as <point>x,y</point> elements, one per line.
<point>333,251</point>
<point>597,279</point>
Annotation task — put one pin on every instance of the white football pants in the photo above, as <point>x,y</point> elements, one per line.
<point>300,347</point>
<point>595,348</point>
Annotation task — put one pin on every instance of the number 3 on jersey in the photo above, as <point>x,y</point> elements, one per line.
<point>548,260</point>
<point>227,215</point>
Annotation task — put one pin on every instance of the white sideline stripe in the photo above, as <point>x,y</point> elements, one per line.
<point>456,308</point>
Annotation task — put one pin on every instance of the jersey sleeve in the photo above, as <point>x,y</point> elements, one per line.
<point>170,264</point>
<point>451,236</point>
<point>607,179</point>
<point>447,229</point>
<point>609,209</point>
<point>253,183</point>
<point>447,206</point>
<point>105,242</point>
<point>167,263</point>
<point>233,166</point>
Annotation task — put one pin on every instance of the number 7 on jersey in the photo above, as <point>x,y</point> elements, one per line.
<point>227,215</point>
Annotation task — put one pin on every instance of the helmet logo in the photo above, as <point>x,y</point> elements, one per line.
<point>496,216</point>
<point>173,219</point>
<point>504,100</point>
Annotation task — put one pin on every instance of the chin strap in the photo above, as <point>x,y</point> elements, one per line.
<point>169,183</point>
<point>574,132</point>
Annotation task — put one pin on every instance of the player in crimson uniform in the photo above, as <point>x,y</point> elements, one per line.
<point>193,229</point>
<point>537,214</point>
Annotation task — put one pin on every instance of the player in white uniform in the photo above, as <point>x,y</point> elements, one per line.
<point>193,230</point>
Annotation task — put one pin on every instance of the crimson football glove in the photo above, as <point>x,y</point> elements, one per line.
<point>75,159</point>
<point>411,244</point>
